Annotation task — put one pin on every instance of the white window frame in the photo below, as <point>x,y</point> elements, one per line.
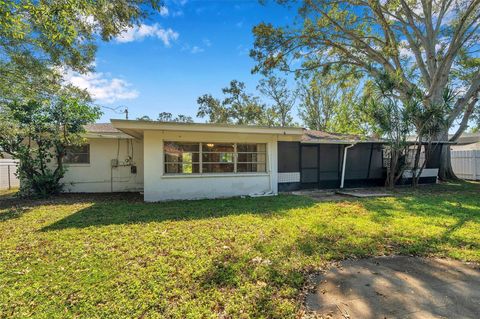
<point>201,162</point>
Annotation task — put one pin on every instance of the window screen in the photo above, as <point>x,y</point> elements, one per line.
<point>77,154</point>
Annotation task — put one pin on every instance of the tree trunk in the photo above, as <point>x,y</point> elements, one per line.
<point>416,161</point>
<point>445,171</point>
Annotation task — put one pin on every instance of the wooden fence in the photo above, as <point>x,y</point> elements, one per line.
<point>8,178</point>
<point>466,164</point>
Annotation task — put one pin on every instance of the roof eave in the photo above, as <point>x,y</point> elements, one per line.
<point>345,142</point>
<point>132,126</point>
<point>112,135</point>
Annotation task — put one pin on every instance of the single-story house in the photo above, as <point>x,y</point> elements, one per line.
<point>467,142</point>
<point>192,160</point>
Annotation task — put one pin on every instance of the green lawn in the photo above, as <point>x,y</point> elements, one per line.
<point>116,257</point>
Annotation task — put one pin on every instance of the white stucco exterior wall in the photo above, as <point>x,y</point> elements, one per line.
<point>159,186</point>
<point>98,175</point>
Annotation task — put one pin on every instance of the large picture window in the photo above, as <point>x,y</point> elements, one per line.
<point>77,154</point>
<point>204,158</point>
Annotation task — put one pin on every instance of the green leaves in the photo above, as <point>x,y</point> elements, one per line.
<point>276,89</point>
<point>421,46</point>
<point>237,106</point>
<point>37,38</point>
<point>329,101</point>
<point>38,132</point>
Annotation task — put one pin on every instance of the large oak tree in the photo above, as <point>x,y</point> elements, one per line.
<point>431,46</point>
<point>39,39</point>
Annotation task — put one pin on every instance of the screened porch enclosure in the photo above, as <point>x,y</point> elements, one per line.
<point>321,166</point>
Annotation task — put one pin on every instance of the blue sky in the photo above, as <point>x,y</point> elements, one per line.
<point>192,48</point>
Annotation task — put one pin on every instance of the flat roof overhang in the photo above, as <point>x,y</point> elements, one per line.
<point>108,135</point>
<point>136,128</point>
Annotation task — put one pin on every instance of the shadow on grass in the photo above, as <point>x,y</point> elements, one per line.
<point>13,206</point>
<point>121,212</point>
<point>8,193</point>
<point>450,213</point>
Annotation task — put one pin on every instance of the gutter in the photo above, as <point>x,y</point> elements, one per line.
<point>345,151</point>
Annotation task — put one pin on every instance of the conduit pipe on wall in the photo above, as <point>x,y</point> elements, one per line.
<point>345,151</point>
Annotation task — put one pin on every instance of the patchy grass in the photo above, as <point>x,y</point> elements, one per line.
<point>116,257</point>
<point>8,193</point>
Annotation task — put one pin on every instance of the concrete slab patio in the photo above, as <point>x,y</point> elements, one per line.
<point>397,287</point>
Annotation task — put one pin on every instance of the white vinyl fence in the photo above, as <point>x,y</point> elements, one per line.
<point>8,178</point>
<point>466,164</point>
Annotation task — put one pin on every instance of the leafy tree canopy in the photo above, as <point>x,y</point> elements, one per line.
<point>283,98</point>
<point>237,107</point>
<point>38,134</point>
<point>425,46</point>
<point>331,102</point>
<point>40,38</point>
<point>168,117</point>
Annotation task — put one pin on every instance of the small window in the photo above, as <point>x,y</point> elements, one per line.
<point>77,154</point>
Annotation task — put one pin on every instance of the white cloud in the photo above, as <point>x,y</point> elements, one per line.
<point>177,13</point>
<point>102,87</point>
<point>405,50</point>
<point>207,42</point>
<point>164,11</point>
<point>137,33</point>
<point>195,49</point>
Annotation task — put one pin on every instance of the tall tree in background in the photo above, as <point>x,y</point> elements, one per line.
<point>168,117</point>
<point>213,109</point>
<point>237,107</point>
<point>283,97</point>
<point>422,45</point>
<point>40,38</point>
<point>330,102</point>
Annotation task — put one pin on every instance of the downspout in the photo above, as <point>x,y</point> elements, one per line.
<point>345,151</point>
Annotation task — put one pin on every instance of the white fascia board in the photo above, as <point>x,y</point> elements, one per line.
<point>107,135</point>
<point>199,127</point>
